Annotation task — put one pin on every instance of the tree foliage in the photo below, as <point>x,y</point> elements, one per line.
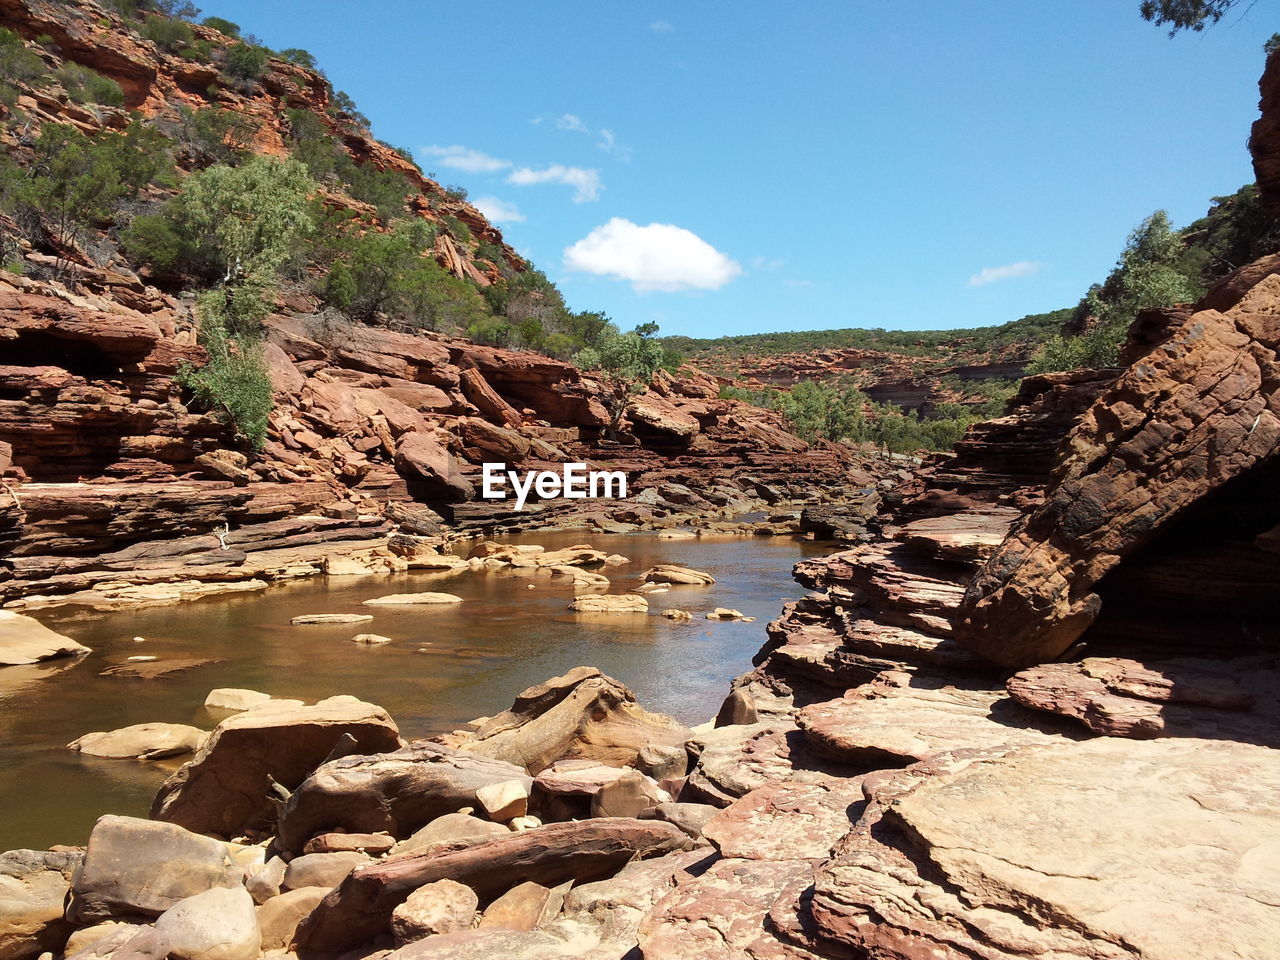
<point>626,363</point>
<point>1192,15</point>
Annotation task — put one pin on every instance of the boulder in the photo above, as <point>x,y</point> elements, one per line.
<point>610,603</point>
<point>674,614</point>
<point>219,924</point>
<point>726,613</point>
<point>142,868</point>
<point>234,700</point>
<point>738,708</point>
<point>26,640</point>
<point>632,794</point>
<point>322,869</point>
<point>616,906</point>
<point>374,844</point>
<point>505,800</point>
<point>733,761</point>
<point>440,907</point>
<point>33,892</point>
<point>582,714</point>
<point>370,639</point>
<point>526,906</point>
<point>1159,849</point>
<point>431,470</point>
<point>394,792</point>
<point>227,787</point>
<point>267,881</point>
<point>85,942</point>
<point>360,909</point>
<point>670,573</point>
<point>278,918</point>
<point>450,827</point>
<point>689,817</point>
<point>141,741</point>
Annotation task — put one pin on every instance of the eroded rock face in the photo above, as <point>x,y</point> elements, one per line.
<point>396,792</point>
<point>1191,415</point>
<point>582,715</point>
<point>226,788</point>
<point>1103,849</point>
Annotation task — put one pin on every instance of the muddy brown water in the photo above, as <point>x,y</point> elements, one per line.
<point>480,653</point>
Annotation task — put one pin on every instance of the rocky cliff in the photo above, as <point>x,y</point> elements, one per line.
<point>119,487</point>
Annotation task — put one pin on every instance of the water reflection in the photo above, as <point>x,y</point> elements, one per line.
<point>447,664</point>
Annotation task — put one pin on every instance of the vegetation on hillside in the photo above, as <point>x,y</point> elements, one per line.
<point>831,411</point>
<point>181,195</point>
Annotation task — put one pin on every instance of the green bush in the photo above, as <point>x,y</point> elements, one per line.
<point>245,62</point>
<point>301,57</point>
<point>626,362</point>
<point>324,156</point>
<point>455,192</point>
<point>223,26</point>
<point>200,51</point>
<point>215,135</point>
<point>18,64</point>
<point>84,85</point>
<point>167,34</point>
<point>78,181</point>
<point>234,382</point>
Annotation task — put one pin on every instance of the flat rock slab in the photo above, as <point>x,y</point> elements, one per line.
<point>968,535</point>
<point>25,640</point>
<point>226,787</point>
<point>787,821</point>
<point>411,599</point>
<point>670,573</point>
<point>141,741</point>
<point>737,759</point>
<point>1103,849</point>
<point>721,914</point>
<point>890,726</point>
<point>333,618</point>
<point>1213,699</point>
<point>360,909</point>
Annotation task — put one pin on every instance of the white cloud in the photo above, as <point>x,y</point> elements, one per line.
<point>498,211</point>
<point>586,183</point>
<point>662,26</point>
<point>464,158</point>
<point>569,121</point>
<point>1023,268</point>
<point>660,256</point>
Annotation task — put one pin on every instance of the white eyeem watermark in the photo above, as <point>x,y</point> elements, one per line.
<point>573,482</point>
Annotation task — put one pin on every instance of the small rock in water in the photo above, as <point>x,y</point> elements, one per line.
<point>673,614</point>
<point>312,618</point>
<point>140,659</point>
<point>404,599</point>
<point>234,699</point>
<point>724,613</point>
<point>370,639</point>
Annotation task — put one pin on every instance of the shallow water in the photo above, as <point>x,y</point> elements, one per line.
<point>503,638</point>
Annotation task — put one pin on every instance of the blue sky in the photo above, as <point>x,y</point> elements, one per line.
<point>740,167</point>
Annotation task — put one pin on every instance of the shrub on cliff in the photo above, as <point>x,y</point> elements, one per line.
<point>223,26</point>
<point>84,85</point>
<point>168,34</point>
<point>246,62</point>
<point>18,64</point>
<point>234,381</point>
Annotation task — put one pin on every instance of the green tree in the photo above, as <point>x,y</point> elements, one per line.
<point>626,363</point>
<point>223,26</point>
<point>84,85</point>
<point>1192,15</point>
<point>1146,275</point>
